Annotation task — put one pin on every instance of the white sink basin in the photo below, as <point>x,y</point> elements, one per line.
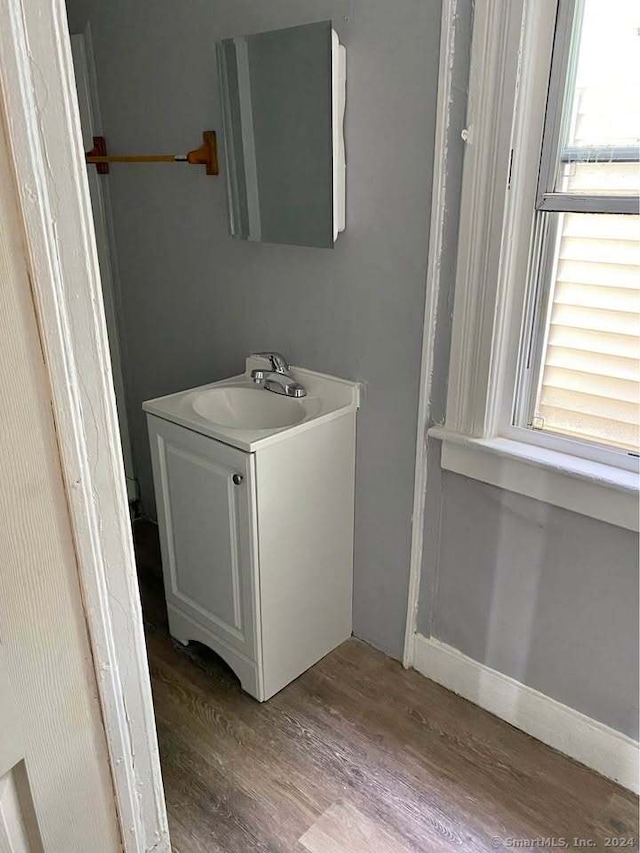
<point>241,407</point>
<point>239,413</point>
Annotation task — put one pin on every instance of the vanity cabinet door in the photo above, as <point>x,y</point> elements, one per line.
<point>205,496</point>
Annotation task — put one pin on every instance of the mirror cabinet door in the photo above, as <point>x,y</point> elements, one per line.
<point>276,90</point>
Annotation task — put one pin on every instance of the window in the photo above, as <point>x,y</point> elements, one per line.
<point>580,359</point>
<point>544,381</point>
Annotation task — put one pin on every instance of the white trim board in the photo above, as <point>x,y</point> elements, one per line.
<point>588,741</point>
<point>493,83</point>
<point>434,262</point>
<point>580,485</point>
<point>39,99</point>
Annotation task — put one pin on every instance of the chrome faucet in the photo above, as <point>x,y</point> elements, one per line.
<point>278,379</point>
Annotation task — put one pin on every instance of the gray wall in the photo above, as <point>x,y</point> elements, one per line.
<point>196,302</point>
<point>544,595</point>
<point>541,594</point>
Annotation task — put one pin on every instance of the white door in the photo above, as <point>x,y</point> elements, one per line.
<point>56,791</point>
<point>100,205</point>
<point>203,495</point>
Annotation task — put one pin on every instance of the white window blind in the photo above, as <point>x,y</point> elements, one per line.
<point>590,384</point>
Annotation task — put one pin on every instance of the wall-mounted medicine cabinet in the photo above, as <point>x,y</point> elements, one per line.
<point>283,99</point>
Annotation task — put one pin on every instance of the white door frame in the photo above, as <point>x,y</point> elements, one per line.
<point>39,101</point>
<point>91,124</point>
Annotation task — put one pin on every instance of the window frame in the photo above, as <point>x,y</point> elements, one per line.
<point>511,68</point>
<point>562,72</point>
<point>551,206</point>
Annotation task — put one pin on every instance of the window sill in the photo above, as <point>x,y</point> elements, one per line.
<point>590,488</point>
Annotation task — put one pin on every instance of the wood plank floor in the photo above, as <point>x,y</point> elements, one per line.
<point>356,756</point>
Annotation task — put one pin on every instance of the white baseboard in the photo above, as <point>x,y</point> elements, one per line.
<point>588,741</point>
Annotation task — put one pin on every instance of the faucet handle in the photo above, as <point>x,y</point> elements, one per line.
<point>277,360</point>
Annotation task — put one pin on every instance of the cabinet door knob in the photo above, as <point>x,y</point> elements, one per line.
<point>237,479</point>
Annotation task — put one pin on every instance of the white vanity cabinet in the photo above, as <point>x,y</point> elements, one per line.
<point>257,545</point>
